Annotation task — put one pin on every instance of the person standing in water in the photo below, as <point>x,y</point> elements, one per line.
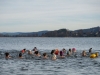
<point>69,52</point>
<point>54,57</point>
<point>90,50</point>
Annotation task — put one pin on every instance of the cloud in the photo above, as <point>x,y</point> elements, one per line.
<point>49,14</point>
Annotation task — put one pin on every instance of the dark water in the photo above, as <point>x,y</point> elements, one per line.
<point>38,66</point>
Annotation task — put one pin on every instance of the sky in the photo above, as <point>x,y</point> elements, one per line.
<point>39,15</point>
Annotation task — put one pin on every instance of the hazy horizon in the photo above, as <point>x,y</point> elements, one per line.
<point>46,30</point>
<point>34,16</point>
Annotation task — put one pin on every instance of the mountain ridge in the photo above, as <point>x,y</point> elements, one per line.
<point>90,32</point>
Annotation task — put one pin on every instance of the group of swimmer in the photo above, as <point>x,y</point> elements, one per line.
<point>55,54</point>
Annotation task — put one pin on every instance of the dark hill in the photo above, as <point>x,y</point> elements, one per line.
<point>90,32</point>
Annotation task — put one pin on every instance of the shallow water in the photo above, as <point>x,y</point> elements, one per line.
<point>37,66</point>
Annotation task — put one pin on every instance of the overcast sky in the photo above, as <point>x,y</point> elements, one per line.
<point>38,15</point>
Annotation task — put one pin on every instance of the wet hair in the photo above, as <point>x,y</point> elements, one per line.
<point>52,51</point>
<point>61,53</point>
<point>36,52</point>
<point>6,54</point>
<point>20,54</point>
<point>70,50</point>
<point>24,49</point>
<point>44,54</point>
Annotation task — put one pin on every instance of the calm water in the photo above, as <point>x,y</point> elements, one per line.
<point>32,66</point>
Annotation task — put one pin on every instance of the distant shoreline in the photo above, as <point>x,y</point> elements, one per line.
<point>91,32</point>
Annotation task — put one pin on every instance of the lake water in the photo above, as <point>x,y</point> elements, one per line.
<point>31,66</point>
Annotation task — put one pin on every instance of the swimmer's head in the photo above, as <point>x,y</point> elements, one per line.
<point>61,53</point>
<point>73,49</point>
<point>36,52</point>
<point>44,54</point>
<point>6,54</point>
<point>52,51</point>
<point>70,50</point>
<point>20,54</point>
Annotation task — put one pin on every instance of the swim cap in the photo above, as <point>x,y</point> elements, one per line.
<point>56,51</point>
<point>73,49</point>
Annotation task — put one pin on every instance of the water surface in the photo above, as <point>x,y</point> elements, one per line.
<point>32,66</point>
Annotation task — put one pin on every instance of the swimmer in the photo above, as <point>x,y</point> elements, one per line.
<point>56,51</point>
<point>69,52</point>
<point>64,51</point>
<point>73,50</point>
<point>97,54</point>
<point>34,49</point>
<point>54,57</point>
<point>83,53</point>
<point>53,51</point>
<point>61,54</point>
<point>45,55</point>
<point>30,52</point>
<point>20,55</point>
<point>23,51</point>
<point>90,50</point>
<point>7,55</point>
<point>37,54</point>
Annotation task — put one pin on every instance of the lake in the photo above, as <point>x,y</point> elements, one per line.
<point>31,66</point>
